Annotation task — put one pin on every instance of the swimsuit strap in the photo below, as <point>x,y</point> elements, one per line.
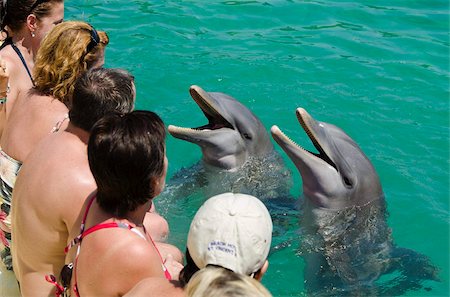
<point>6,42</point>
<point>23,61</point>
<point>105,226</point>
<point>164,268</point>
<point>86,233</point>
<point>60,290</point>
<point>77,239</point>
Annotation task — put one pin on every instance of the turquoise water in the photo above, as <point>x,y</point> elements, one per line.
<point>378,69</point>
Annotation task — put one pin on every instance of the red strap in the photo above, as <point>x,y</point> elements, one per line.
<point>167,274</point>
<point>77,239</point>
<point>87,210</point>
<point>52,279</point>
<point>104,226</point>
<point>86,233</point>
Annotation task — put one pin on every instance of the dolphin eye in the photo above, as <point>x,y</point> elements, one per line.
<point>247,136</point>
<point>348,183</point>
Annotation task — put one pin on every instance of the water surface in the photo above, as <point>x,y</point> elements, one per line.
<point>378,69</point>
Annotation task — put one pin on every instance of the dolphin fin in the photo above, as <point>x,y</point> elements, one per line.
<point>410,270</point>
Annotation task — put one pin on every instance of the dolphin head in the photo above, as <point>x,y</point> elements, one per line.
<point>339,175</point>
<point>233,133</point>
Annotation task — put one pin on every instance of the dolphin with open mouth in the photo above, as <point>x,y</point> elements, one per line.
<point>346,242</point>
<point>340,174</point>
<point>233,132</point>
<point>237,152</point>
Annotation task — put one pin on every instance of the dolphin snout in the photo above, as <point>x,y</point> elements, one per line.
<point>275,130</point>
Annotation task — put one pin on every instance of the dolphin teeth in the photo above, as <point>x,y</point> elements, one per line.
<point>292,141</point>
<point>187,130</point>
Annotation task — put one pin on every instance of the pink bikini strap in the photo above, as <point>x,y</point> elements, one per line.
<point>77,239</point>
<point>166,271</point>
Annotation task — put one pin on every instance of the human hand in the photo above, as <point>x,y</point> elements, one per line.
<point>173,266</point>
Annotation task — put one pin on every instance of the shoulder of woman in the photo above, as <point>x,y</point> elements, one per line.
<point>132,250</point>
<point>13,64</point>
<point>136,259</point>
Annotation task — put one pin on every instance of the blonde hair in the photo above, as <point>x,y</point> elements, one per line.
<point>63,56</point>
<point>213,281</point>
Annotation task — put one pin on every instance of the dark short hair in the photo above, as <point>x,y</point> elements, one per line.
<point>99,92</point>
<point>188,270</point>
<point>126,156</point>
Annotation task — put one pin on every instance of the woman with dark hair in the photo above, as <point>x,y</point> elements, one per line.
<point>24,23</point>
<point>128,161</point>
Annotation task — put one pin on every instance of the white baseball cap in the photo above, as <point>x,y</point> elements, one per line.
<point>233,231</point>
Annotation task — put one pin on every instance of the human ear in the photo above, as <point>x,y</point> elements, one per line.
<point>259,275</point>
<point>32,24</point>
<point>156,186</point>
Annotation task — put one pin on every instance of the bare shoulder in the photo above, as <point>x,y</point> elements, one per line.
<point>11,59</point>
<point>18,77</point>
<point>155,287</point>
<point>40,106</point>
<point>59,150</point>
<point>127,257</point>
<point>139,255</point>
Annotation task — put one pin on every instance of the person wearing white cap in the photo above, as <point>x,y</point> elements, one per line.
<point>233,231</point>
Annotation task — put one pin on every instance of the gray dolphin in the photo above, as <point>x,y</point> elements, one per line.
<point>347,243</point>
<point>232,135</point>
<point>237,152</point>
<point>340,175</point>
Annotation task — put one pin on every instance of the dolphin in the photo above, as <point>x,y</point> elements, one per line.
<point>237,151</point>
<point>232,135</point>
<point>347,245</point>
<point>340,175</point>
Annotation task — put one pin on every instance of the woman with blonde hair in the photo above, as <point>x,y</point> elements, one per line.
<point>214,281</point>
<point>24,23</point>
<point>68,51</point>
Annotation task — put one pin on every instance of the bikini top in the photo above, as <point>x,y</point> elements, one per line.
<point>8,41</point>
<point>66,272</point>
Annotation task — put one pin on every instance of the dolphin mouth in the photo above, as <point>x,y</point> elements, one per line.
<point>211,111</point>
<point>308,124</point>
<point>206,104</point>
<point>311,127</point>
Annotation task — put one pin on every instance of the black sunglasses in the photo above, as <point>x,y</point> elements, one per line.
<point>95,40</point>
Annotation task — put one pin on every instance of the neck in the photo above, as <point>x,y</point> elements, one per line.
<point>23,40</point>
<point>137,216</point>
<point>83,135</point>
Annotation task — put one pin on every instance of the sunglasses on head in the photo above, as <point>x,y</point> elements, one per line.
<point>95,40</point>
<point>36,4</point>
